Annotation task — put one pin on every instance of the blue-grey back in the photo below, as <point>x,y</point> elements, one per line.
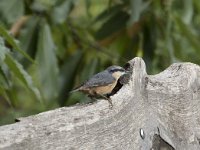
<point>100,79</point>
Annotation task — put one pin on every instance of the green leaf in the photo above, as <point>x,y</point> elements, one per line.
<point>68,75</point>
<point>4,94</point>
<point>4,82</point>
<point>13,43</point>
<point>89,69</point>
<point>187,32</point>
<point>47,63</point>
<point>107,13</point>
<point>5,85</point>
<point>114,24</point>
<point>21,74</point>
<point>60,12</point>
<point>88,4</point>
<point>188,11</point>
<point>11,10</point>
<point>29,36</point>
<point>42,6</point>
<point>137,7</point>
<point>3,51</point>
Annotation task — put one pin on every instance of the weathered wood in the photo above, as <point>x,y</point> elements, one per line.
<point>151,111</point>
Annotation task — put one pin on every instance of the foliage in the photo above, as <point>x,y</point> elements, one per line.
<point>47,47</point>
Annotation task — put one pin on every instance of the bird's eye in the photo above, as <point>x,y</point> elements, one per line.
<point>113,70</point>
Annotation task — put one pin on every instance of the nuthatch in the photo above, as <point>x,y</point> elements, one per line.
<point>102,83</point>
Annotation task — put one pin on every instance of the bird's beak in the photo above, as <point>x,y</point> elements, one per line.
<point>128,72</point>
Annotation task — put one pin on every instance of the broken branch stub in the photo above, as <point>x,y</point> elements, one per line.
<point>149,112</point>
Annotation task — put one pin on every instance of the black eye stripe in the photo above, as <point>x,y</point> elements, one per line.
<point>115,70</point>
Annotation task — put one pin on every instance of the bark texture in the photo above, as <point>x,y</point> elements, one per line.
<point>149,112</point>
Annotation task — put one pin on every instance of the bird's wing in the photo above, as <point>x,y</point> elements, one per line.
<point>100,79</point>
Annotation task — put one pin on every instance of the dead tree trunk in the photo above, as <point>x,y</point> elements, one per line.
<point>150,112</point>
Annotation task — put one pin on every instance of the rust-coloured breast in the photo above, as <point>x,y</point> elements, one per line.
<point>105,89</point>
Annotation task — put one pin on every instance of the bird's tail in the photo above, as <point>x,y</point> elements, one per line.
<point>76,89</point>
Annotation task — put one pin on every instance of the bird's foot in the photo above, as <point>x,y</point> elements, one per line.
<point>103,97</point>
<point>109,100</point>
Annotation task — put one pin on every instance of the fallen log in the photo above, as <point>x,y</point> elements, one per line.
<point>149,112</point>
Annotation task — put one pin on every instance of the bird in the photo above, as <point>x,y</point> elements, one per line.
<point>101,84</point>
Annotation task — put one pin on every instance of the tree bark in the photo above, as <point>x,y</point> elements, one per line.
<point>149,112</point>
